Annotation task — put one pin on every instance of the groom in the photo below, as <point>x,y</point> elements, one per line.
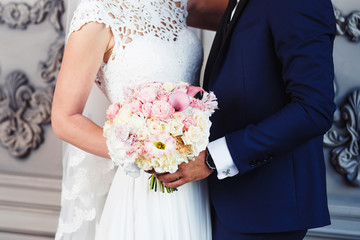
<point>271,68</point>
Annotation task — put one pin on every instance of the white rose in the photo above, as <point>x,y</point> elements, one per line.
<point>200,145</point>
<point>178,116</point>
<point>155,126</point>
<point>123,115</point>
<point>202,122</point>
<point>168,86</point>
<point>176,127</point>
<point>193,135</point>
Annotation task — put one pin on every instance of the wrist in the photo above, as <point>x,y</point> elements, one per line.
<point>209,161</point>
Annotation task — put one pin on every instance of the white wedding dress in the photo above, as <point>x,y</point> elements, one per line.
<point>152,43</point>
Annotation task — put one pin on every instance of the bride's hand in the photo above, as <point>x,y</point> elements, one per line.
<point>187,172</point>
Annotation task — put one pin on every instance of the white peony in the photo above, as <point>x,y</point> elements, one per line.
<point>137,122</point>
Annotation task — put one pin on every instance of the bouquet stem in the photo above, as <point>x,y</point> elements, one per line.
<point>156,183</point>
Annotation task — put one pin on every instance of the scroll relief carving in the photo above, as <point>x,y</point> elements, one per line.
<point>343,139</point>
<point>25,108</point>
<point>20,15</point>
<point>348,26</point>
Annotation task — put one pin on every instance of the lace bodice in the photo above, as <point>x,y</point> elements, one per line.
<point>152,42</point>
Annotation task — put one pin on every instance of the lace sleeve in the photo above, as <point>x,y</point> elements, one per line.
<point>89,11</point>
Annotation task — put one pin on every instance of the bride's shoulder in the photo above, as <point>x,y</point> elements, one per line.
<point>89,11</point>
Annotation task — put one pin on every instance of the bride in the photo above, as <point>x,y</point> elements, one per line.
<point>119,43</point>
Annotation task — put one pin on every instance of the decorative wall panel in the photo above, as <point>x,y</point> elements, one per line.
<point>341,143</point>
<point>25,107</point>
<point>31,49</point>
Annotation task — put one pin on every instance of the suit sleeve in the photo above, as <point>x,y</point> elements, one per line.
<point>303,33</point>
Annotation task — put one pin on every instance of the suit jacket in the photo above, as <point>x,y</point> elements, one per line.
<point>272,70</point>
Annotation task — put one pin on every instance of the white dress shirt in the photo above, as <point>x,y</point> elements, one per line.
<point>219,150</point>
<point>232,14</point>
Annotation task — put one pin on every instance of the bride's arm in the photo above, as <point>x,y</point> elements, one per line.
<point>82,59</point>
<point>206,14</point>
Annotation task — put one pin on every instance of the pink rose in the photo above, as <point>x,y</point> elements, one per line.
<point>135,106</point>
<point>161,110</point>
<point>188,122</point>
<point>196,103</point>
<point>113,110</point>
<point>147,93</point>
<point>146,109</point>
<point>179,100</point>
<point>163,96</point>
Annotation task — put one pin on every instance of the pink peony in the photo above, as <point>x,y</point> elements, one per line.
<point>161,110</point>
<point>188,122</point>
<point>163,95</point>
<point>196,103</point>
<point>147,93</point>
<point>179,101</point>
<point>135,106</point>
<point>146,109</point>
<point>113,110</point>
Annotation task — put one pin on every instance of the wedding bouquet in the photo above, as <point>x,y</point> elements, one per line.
<point>158,127</point>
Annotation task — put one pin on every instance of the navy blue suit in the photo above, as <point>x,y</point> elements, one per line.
<point>271,68</point>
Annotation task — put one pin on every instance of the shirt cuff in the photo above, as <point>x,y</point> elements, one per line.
<point>221,156</point>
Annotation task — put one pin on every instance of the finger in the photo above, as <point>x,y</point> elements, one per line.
<point>176,183</point>
<point>150,171</point>
<point>170,177</point>
<point>159,174</point>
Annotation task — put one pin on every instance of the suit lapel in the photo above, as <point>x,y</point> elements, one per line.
<point>222,38</point>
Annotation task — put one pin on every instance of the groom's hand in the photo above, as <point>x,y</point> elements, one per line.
<point>187,172</point>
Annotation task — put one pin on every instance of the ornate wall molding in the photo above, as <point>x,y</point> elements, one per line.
<point>23,110</point>
<point>50,68</point>
<point>20,15</point>
<point>343,139</point>
<point>348,26</point>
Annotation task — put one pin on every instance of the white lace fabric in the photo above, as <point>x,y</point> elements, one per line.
<point>86,182</point>
<point>152,43</point>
